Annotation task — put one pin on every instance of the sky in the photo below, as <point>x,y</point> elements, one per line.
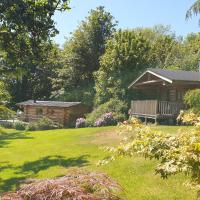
<point>130,14</point>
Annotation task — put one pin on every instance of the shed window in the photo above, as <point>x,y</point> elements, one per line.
<point>39,111</point>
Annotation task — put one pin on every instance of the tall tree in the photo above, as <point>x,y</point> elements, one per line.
<point>36,80</point>
<point>125,57</point>
<point>164,46</point>
<point>26,29</point>
<point>81,56</point>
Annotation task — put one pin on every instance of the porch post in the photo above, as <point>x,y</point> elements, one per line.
<point>145,120</point>
<point>156,121</point>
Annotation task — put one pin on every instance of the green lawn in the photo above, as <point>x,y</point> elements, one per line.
<point>45,154</point>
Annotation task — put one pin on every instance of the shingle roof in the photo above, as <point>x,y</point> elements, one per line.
<point>171,75</point>
<point>49,103</point>
<point>177,75</point>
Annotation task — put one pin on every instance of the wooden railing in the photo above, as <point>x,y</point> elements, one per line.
<point>145,107</point>
<point>155,108</point>
<point>169,108</point>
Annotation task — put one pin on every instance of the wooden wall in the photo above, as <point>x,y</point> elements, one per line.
<point>65,116</point>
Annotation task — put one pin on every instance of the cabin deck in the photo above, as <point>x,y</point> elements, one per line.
<point>156,109</point>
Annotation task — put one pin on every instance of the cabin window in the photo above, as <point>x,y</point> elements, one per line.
<point>180,95</point>
<point>39,111</point>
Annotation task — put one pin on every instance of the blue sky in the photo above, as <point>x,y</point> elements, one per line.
<point>130,14</point>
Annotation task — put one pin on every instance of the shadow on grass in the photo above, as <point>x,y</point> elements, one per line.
<point>31,169</point>
<point>5,138</point>
<point>4,166</point>
<point>50,161</point>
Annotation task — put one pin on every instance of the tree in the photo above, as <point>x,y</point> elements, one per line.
<point>33,81</point>
<point>164,46</point>
<point>194,10</point>
<point>81,55</point>
<point>5,113</point>
<point>4,95</point>
<point>125,57</point>
<point>26,29</point>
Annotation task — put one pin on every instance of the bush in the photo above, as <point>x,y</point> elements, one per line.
<point>6,113</point>
<point>7,124</point>
<point>188,118</point>
<point>31,127</point>
<point>2,131</point>
<point>176,153</point>
<point>106,119</point>
<point>80,123</point>
<point>43,124</point>
<point>192,99</point>
<point>117,107</point>
<point>20,125</point>
<point>91,186</point>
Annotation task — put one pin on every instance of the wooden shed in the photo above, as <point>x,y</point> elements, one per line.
<point>162,92</point>
<point>62,112</point>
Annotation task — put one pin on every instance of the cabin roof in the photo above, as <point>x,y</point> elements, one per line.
<point>177,75</point>
<point>171,75</point>
<point>49,103</point>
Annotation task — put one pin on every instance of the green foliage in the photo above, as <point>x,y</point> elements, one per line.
<point>4,95</point>
<point>194,9</point>
<point>43,124</point>
<point>26,29</point>
<point>176,153</point>
<point>8,125</point>
<point>20,125</point>
<point>81,55</point>
<point>6,113</point>
<point>2,131</point>
<point>125,57</point>
<point>36,82</point>
<point>84,94</point>
<point>192,99</point>
<point>116,106</point>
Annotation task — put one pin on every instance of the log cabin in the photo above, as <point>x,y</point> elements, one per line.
<point>162,91</point>
<point>64,113</point>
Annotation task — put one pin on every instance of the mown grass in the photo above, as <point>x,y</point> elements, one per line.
<point>46,154</point>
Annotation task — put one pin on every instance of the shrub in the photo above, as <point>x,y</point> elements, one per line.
<point>20,125</point>
<point>77,186</point>
<point>6,113</point>
<point>106,119</point>
<point>80,123</point>
<point>2,131</point>
<point>188,118</point>
<point>31,127</point>
<point>192,99</point>
<point>176,153</point>
<point>43,124</point>
<point>117,107</point>
<point>7,124</point>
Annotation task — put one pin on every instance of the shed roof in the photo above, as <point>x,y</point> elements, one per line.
<point>49,103</point>
<point>172,75</point>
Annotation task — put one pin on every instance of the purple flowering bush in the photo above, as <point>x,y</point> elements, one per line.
<point>106,119</point>
<point>80,123</point>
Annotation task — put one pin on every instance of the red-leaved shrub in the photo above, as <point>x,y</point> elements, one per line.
<point>77,186</point>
